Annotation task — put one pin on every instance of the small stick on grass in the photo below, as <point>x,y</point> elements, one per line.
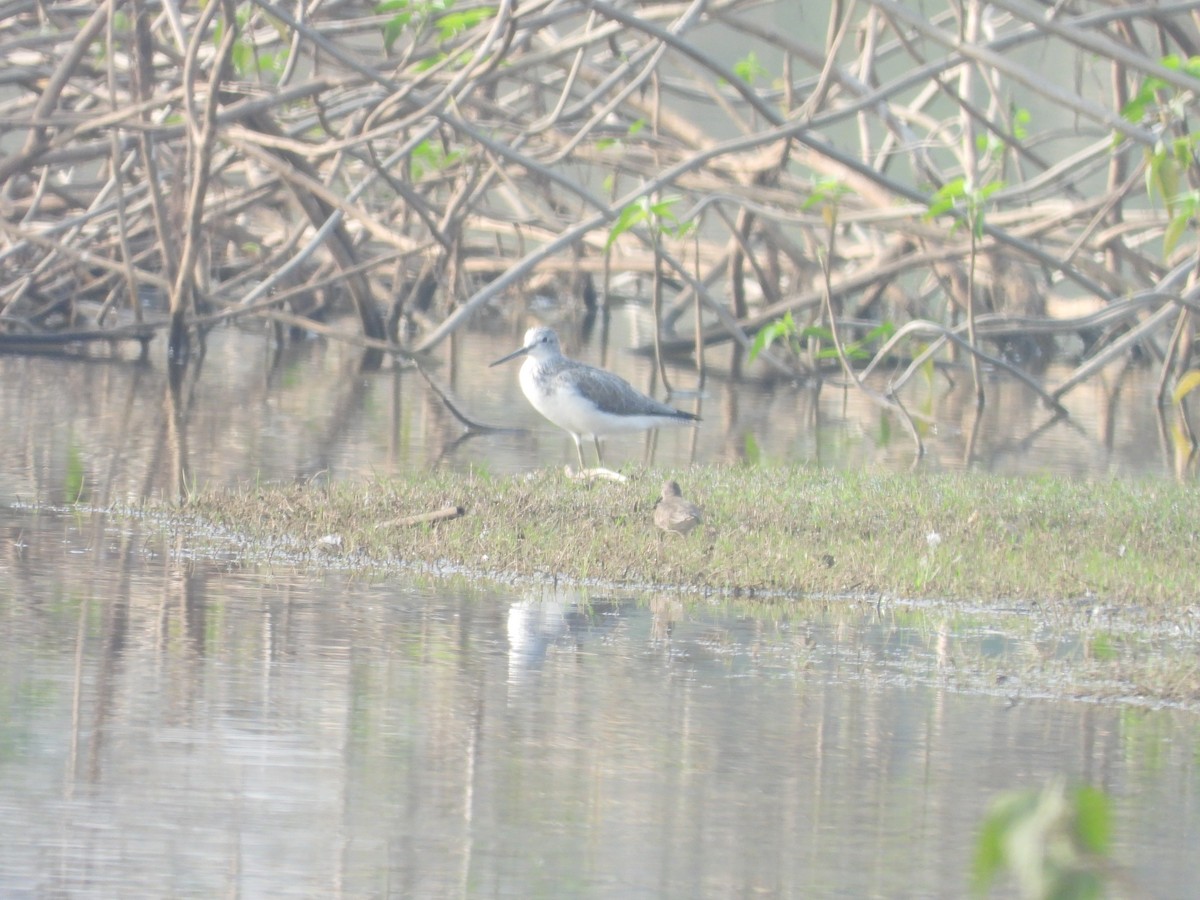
<point>438,515</point>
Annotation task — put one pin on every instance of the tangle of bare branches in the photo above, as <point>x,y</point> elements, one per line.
<point>166,167</point>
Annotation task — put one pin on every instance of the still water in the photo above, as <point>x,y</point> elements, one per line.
<point>111,432</point>
<point>195,729</point>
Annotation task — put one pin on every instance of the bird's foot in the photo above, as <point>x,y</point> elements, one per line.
<point>594,474</point>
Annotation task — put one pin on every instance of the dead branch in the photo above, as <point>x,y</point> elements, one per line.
<point>211,162</point>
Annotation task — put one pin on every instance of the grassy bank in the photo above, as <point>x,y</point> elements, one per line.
<point>778,532</point>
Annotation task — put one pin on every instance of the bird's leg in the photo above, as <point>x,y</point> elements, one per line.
<point>579,451</point>
<point>599,458</point>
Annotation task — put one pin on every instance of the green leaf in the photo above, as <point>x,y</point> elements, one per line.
<point>945,198</point>
<point>633,129</point>
<point>393,28</point>
<point>662,209</point>
<point>762,340</point>
<point>429,62</point>
<point>633,214</point>
<point>880,332</point>
<point>816,332</point>
<point>1148,97</point>
<point>658,215</point>
<point>984,192</point>
<point>766,336</point>
<point>1135,108</point>
<point>1021,120</point>
<point>977,226</point>
<point>991,848</point>
<point>827,190</point>
<point>455,23</point>
<point>1093,820</point>
<point>989,143</point>
<point>431,156</point>
<point>1162,174</point>
<point>1174,231</point>
<point>989,854</point>
<point>242,57</point>
<point>784,327</point>
<point>1188,382</point>
<point>951,193</point>
<point>749,69</point>
<point>1049,839</point>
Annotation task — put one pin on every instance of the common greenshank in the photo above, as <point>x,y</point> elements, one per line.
<point>673,513</point>
<point>583,400</point>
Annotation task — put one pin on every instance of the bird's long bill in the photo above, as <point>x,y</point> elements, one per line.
<point>512,355</point>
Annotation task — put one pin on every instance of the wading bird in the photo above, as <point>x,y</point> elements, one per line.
<point>583,400</point>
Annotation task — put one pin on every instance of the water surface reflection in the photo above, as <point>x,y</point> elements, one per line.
<point>113,432</point>
<point>195,731</point>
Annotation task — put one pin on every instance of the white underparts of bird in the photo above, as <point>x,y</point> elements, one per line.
<point>582,400</point>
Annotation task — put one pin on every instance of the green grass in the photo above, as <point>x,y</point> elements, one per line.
<point>778,532</point>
